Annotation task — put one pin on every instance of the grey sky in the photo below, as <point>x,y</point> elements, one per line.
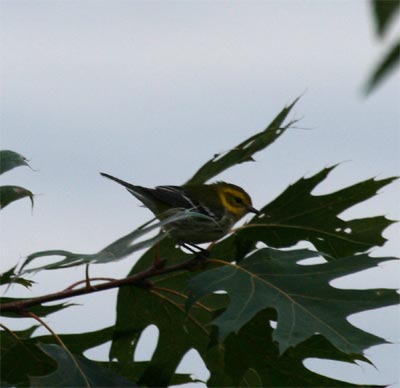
<point>148,91</point>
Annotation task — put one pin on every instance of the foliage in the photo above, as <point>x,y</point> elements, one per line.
<point>301,295</point>
<point>8,194</point>
<point>274,313</point>
<point>117,250</point>
<point>384,12</point>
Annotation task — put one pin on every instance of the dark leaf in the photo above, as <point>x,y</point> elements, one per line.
<point>10,160</point>
<point>138,308</point>
<point>10,277</point>
<point>243,152</point>
<point>390,61</point>
<point>27,333</point>
<point>161,310</point>
<point>10,194</point>
<point>21,358</point>
<point>77,371</point>
<point>80,342</point>
<point>251,355</point>
<point>302,296</point>
<point>384,13</point>
<point>297,215</point>
<point>163,306</point>
<point>134,370</point>
<point>40,310</point>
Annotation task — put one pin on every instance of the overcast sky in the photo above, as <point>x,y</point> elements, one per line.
<point>148,91</point>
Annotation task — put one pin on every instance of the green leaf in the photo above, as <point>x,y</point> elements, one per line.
<point>136,369</point>
<point>251,355</point>
<point>302,296</point>
<point>10,276</point>
<point>384,13</point>
<point>297,215</point>
<point>163,306</point>
<point>10,160</point>
<point>80,342</point>
<point>77,371</point>
<point>21,358</point>
<point>390,61</point>
<point>160,309</point>
<point>243,152</point>
<point>117,250</point>
<point>10,194</point>
<point>40,310</point>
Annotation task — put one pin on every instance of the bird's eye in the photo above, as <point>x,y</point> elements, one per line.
<point>239,200</point>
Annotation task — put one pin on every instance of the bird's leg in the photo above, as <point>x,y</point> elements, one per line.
<point>87,278</point>
<point>200,253</point>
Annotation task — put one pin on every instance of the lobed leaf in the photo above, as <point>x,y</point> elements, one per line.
<point>79,343</point>
<point>163,306</point>
<point>297,215</point>
<point>252,356</point>
<point>302,296</point>
<point>137,368</point>
<point>244,151</point>
<point>77,371</point>
<point>21,358</point>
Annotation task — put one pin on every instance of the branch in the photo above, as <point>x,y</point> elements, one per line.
<point>139,278</point>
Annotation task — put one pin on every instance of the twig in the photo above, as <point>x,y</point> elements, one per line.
<point>4,327</point>
<point>72,286</point>
<point>139,278</point>
<point>59,340</point>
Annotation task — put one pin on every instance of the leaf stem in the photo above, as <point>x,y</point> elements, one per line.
<point>181,295</point>
<point>4,327</point>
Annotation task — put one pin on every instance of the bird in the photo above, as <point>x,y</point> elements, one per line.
<point>222,204</point>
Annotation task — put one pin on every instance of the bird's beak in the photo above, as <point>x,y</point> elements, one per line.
<point>251,209</point>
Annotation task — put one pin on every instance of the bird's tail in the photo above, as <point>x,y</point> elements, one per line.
<point>143,194</point>
<point>120,181</point>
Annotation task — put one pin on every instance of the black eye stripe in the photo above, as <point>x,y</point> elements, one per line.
<point>238,200</point>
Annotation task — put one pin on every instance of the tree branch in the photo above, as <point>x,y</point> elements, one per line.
<point>139,278</point>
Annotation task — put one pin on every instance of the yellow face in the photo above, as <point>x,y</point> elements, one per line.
<point>235,200</point>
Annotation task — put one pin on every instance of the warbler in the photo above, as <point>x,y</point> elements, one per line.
<point>223,203</point>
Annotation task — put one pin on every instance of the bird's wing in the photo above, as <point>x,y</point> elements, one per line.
<point>177,196</point>
<point>174,196</point>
